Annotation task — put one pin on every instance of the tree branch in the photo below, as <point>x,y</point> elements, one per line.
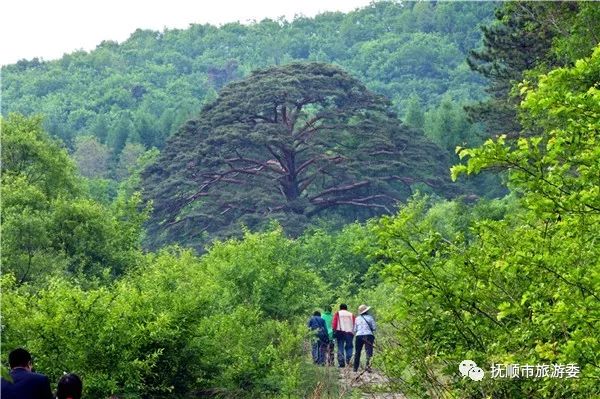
<point>255,162</point>
<point>324,204</point>
<point>340,189</point>
<point>277,157</point>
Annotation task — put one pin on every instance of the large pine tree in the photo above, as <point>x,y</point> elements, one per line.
<point>289,143</point>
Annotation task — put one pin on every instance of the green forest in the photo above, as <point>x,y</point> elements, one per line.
<point>176,206</point>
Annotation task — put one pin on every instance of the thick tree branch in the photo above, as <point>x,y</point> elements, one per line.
<point>277,157</point>
<point>322,205</point>
<point>265,165</point>
<point>339,189</point>
<point>309,124</point>
<point>262,118</point>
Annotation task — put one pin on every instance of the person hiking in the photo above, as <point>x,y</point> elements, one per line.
<point>320,340</point>
<point>25,383</point>
<point>343,329</point>
<point>364,329</point>
<point>329,350</point>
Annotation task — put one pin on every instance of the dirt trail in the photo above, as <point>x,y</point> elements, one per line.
<point>371,385</point>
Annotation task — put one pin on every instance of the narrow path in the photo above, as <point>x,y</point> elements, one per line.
<point>331,382</point>
<point>371,385</point>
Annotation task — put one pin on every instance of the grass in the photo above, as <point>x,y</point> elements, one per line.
<point>320,382</point>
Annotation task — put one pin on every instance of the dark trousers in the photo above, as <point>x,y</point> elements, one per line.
<point>318,351</point>
<point>344,343</point>
<point>330,352</point>
<point>366,341</point>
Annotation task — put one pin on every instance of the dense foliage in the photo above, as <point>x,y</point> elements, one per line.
<point>49,223</point>
<point>140,324</point>
<point>143,89</point>
<point>287,143</point>
<point>528,38</point>
<point>225,324</point>
<point>514,280</point>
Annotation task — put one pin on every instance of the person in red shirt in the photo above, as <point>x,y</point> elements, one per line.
<point>343,330</point>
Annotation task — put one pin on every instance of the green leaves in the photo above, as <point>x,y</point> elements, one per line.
<point>140,91</point>
<point>514,290</point>
<point>287,143</point>
<point>558,161</point>
<point>49,226</point>
<point>528,39</point>
<point>30,153</point>
<point>134,324</point>
<point>520,289</point>
<point>226,322</point>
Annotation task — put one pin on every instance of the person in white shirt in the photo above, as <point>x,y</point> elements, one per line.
<point>364,330</point>
<point>343,330</point>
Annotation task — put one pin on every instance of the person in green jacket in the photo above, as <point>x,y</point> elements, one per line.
<point>328,317</point>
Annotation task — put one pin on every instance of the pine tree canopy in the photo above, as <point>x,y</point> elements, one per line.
<point>289,143</point>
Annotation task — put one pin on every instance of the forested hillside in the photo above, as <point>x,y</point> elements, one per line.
<point>298,144</point>
<point>140,91</point>
<point>262,144</point>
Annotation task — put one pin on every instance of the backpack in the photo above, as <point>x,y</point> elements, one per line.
<point>321,331</point>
